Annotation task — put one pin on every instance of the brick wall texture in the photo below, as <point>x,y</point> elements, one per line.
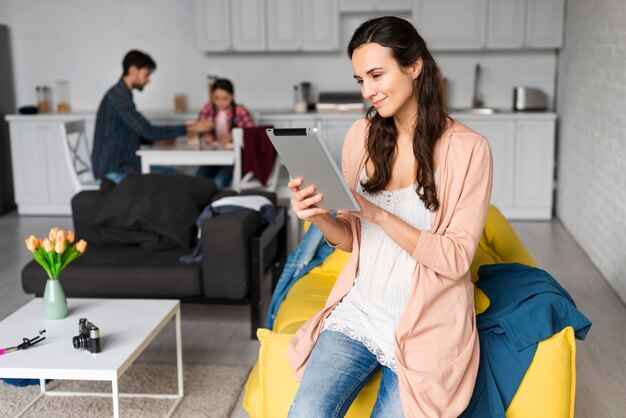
<point>591,103</point>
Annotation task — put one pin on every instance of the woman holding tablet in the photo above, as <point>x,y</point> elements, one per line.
<point>404,301</point>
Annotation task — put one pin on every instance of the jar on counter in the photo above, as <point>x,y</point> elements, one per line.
<point>44,98</point>
<point>63,96</point>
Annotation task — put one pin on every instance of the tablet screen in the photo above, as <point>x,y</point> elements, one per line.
<point>305,155</point>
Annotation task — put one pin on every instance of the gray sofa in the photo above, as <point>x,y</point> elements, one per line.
<point>241,261</point>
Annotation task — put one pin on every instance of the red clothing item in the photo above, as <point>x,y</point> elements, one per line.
<point>240,119</point>
<point>259,154</point>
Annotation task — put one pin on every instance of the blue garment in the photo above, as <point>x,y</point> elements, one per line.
<point>527,305</point>
<point>119,131</point>
<point>337,370</point>
<point>266,210</point>
<point>221,174</point>
<point>310,253</point>
<point>21,382</point>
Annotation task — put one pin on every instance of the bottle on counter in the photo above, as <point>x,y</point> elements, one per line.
<point>44,98</point>
<point>63,96</point>
<point>299,102</point>
<point>180,103</point>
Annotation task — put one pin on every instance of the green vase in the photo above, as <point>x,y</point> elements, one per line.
<point>54,301</point>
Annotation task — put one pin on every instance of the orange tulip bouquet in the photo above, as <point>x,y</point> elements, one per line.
<point>56,251</point>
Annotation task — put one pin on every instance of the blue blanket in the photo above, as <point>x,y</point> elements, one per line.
<point>310,253</point>
<point>527,305</point>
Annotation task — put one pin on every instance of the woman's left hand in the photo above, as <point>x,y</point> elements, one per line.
<point>369,211</point>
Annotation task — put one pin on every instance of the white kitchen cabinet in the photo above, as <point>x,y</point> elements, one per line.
<point>333,132</point>
<point>500,135</point>
<point>518,24</point>
<point>248,25</point>
<point>267,25</point>
<point>284,25</point>
<point>506,24</point>
<point>523,163</point>
<point>375,5</point>
<point>544,27</point>
<point>534,167</point>
<point>321,26</point>
<point>451,24</point>
<point>212,25</point>
<point>40,169</point>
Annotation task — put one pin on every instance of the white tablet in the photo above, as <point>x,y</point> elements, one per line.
<point>306,156</point>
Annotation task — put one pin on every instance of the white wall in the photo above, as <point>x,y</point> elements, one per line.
<point>83,41</point>
<point>591,200</point>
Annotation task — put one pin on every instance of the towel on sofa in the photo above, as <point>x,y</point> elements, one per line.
<point>229,204</point>
<point>527,305</point>
<point>154,211</point>
<point>311,252</point>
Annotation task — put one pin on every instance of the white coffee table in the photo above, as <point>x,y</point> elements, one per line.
<point>126,326</point>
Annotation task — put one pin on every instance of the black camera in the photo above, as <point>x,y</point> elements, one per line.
<point>88,336</point>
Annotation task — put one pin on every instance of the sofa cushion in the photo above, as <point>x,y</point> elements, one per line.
<point>305,298</point>
<point>271,386</point>
<point>500,237</point>
<point>548,388</point>
<point>155,211</point>
<point>126,272</point>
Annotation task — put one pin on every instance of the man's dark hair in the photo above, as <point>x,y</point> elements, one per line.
<point>138,59</point>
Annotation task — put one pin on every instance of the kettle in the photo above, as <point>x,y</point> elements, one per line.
<point>303,97</point>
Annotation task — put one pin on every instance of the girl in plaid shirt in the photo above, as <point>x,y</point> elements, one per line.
<point>225,115</point>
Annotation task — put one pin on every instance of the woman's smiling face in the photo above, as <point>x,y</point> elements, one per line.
<point>384,83</point>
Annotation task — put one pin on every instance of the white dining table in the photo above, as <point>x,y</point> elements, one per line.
<point>182,152</point>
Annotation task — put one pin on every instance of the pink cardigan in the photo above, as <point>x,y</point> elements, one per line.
<point>436,341</point>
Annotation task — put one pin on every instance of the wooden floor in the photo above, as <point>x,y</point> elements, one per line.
<point>220,334</point>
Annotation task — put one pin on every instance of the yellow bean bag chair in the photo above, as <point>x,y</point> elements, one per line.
<point>547,390</point>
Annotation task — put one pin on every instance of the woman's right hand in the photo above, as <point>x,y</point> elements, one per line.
<point>303,201</point>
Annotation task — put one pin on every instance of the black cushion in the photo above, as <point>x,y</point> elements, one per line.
<point>125,272</point>
<point>155,211</point>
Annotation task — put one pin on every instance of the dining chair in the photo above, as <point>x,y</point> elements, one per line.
<point>78,155</point>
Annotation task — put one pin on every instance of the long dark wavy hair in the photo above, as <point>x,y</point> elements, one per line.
<point>406,46</point>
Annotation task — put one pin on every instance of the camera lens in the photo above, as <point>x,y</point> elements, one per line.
<point>78,342</point>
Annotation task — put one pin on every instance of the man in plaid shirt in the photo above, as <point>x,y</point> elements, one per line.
<point>120,128</point>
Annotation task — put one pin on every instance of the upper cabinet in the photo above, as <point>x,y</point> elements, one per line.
<point>248,25</point>
<point>313,25</point>
<point>515,24</point>
<point>284,23</point>
<point>451,24</point>
<point>212,25</point>
<point>267,25</point>
<point>506,24</point>
<point>490,24</point>
<point>544,26</point>
<point>375,5</point>
<point>321,26</point>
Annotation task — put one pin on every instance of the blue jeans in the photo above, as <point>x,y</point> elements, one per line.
<point>222,174</point>
<point>337,370</point>
<point>117,177</point>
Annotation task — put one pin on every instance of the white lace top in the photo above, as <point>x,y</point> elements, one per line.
<point>370,311</point>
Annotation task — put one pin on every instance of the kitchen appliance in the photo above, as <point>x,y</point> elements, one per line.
<point>303,97</point>
<point>7,106</point>
<point>529,98</point>
<point>340,101</point>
